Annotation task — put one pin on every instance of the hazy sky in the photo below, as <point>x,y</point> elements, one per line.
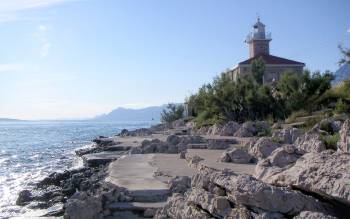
<point>79,58</point>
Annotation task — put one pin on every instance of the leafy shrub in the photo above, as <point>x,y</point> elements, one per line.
<point>293,117</point>
<point>311,122</point>
<point>248,99</point>
<point>341,107</point>
<point>172,112</point>
<point>331,141</point>
<point>326,126</point>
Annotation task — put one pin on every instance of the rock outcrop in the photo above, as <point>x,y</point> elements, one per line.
<point>137,132</point>
<point>250,129</point>
<point>313,215</point>
<point>229,129</point>
<point>311,142</point>
<point>80,205</point>
<point>236,155</point>
<point>344,142</point>
<point>287,135</point>
<point>180,184</point>
<point>263,147</point>
<point>325,174</point>
<point>240,196</point>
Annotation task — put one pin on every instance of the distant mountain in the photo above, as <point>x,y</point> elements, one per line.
<point>124,114</point>
<point>342,74</point>
<point>9,120</point>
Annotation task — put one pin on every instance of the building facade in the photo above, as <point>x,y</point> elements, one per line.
<point>259,48</point>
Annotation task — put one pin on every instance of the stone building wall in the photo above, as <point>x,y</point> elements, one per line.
<point>272,72</point>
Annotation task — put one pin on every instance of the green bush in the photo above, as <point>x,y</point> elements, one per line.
<point>326,126</point>
<point>331,141</point>
<point>248,99</point>
<point>341,107</point>
<point>311,122</point>
<point>172,112</point>
<point>293,117</point>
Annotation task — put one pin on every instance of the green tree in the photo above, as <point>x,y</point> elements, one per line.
<point>346,55</point>
<point>258,69</point>
<point>172,112</point>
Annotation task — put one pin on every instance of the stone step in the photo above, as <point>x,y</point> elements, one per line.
<point>135,206</point>
<point>197,146</point>
<point>136,174</point>
<point>139,209</point>
<point>117,148</point>
<point>124,215</point>
<point>149,196</point>
<point>102,158</point>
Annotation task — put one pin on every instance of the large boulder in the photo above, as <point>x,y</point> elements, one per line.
<point>311,142</point>
<point>279,159</point>
<point>263,147</point>
<point>217,206</point>
<point>325,174</point>
<point>344,142</point>
<point>24,198</point>
<point>215,129</point>
<point>80,205</point>
<point>136,132</point>
<point>236,155</point>
<point>178,207</point>
<point>250,129</point>
<point>178,123</point>
<point>203,130</point>
<point>230,128</point>
<point>242,196</point>
<point>287,135</point>
<point>253,193</point>
<point>180,184</point>
<point>246,130</point>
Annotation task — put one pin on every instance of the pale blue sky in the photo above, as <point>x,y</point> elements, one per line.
<point>79,58</point>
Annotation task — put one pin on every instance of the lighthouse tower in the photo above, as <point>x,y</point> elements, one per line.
<point>258,40</point>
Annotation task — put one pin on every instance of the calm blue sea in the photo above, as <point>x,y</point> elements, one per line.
<point>30,151</point>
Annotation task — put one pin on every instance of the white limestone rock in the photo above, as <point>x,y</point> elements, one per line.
<point>229,129</point>
<point>236,155</point>
<point>263,147</point>
<point>326,174</point>
<point>344,142</point>
<point>277,161</point>
<point>310,142</point>
<point>180,184</point>
<point>248,191</point>
<point>287,135</point>
<point>250,129</point>
<point>313,215</point>
<point>217,206</point>
<point>177,207</point>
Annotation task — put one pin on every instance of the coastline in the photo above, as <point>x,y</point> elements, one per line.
<point>149,172</point>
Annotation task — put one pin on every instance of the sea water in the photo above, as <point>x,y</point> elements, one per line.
<point>29,151</point>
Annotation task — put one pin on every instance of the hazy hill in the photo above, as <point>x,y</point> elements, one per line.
<point>8,120</point>
<point>124,114</point>
<point>342,73</point>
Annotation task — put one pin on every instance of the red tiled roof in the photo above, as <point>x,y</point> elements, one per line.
<point>270,59</point>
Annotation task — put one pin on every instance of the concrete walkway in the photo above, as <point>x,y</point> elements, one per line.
<point>136,174</point>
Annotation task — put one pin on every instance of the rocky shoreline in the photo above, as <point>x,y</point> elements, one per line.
<point>249,170</point>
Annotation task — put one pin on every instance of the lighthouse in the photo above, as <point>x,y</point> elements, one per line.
<point>258,40</point>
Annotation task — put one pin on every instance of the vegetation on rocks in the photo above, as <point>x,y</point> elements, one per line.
<point>248,99</point>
